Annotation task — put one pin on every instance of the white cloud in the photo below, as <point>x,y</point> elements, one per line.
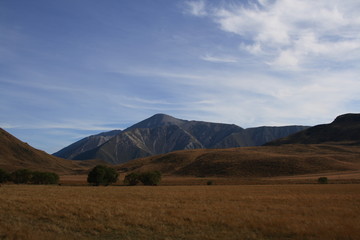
<point>196,8</point>
<point>221,59</point>
<point>293,34</point>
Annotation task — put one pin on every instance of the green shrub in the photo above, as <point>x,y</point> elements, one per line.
<point>132,179</point>
<point>323,180</point>
<point>209,182</point>
<point>21,176</point>
<point>4,176</point>
<point>102,175</point>
<point>44,178</point>
<point>150,178</point>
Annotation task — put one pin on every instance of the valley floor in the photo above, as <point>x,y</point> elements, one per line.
<point>296,211</point>
<point>334,177</point>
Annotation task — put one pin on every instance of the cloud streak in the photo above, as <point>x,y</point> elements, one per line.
<point>210,58</point>
<point>196,8</point>
<point>292,34</point>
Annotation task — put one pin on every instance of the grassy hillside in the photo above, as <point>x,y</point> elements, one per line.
<point>15,154</point>
<point>264,161</point>
<point>345,128</point>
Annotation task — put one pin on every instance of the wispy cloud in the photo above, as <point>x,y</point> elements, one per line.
<point>221,59</point>
<point>196,8</point>
<point>293,34</point>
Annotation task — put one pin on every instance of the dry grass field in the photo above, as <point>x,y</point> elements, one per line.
<point>310,211</point>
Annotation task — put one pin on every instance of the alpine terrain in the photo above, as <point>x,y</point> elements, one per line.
<point>162,133</point>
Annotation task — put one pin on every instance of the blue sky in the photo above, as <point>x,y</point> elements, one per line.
<point>72,68</point>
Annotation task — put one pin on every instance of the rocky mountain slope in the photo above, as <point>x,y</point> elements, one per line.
<point>162,134</point>
<point>86,144</point>
<point>344,129</point>
<point>15,154</point>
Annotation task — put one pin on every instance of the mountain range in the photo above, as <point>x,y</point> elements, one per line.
<point>326,148</point>
<point>162,133</point>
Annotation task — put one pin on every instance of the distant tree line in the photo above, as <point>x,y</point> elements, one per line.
<point>25,176</point>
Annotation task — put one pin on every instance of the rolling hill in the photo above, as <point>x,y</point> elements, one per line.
<point>263,161</point>
<point>163,133</point>
<point>15,154</point>
<point>325,148</point>
<point>344,129</point>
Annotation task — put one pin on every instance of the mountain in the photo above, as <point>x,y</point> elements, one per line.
<point>344,129</point>
<point>206,133</point>
<point>256,136</point>
<point>249,162</point>
<point>162,133</point>
<point>15,154</point>
<point>85,144</point>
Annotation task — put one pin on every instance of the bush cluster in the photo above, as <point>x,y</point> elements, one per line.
<point>102,175</point>
<point>323,180</point>
<point>4,176</point>
<point>152,178</point>
<point>44,178</point>
<point>23,176</point>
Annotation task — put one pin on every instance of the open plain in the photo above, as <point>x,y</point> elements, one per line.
<point>296,211</point>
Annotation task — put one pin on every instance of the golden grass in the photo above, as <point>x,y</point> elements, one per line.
<point>181,212</point>
<point>252,162</point>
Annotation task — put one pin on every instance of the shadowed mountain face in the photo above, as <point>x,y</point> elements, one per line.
<point>345,128</point>
<point>162,134</point>
<point>15,154</point>
<point>86,144</point>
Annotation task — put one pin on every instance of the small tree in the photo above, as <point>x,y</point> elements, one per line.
<point>4,176</point>
<point>323,180</point>
<point>150,178</point>
<point>111,175</point>
<point>102,175</point>
<point>132,179</point>
<point>21,176</point>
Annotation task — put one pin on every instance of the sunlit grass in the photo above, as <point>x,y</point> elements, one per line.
<point>180,212</point>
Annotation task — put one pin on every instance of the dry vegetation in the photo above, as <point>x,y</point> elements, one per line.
<point>253,162</point>
<point>15,154</point>
<point>181,212</point>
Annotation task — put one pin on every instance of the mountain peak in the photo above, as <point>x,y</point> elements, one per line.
<point>158,120</point>
<point>163,133</point>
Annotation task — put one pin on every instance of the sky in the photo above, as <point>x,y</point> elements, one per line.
<point>72,68</point>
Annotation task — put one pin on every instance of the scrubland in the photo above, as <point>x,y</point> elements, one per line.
<point>308,211</point>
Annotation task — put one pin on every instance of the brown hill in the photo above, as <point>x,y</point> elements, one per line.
<point>266,161</point>
<point>344,129</point>
<point>15,154</point>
